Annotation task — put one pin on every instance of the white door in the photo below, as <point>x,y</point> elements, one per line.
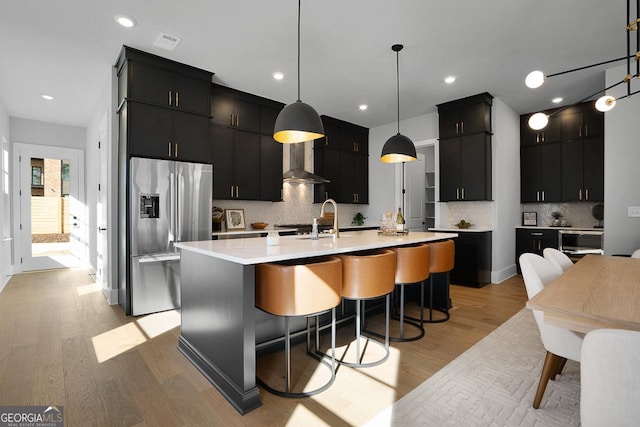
<point>414,176</point>
<point>51,215</point>
<point>102,252</point>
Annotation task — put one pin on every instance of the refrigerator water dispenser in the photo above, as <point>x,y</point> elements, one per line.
<point>149,206</point>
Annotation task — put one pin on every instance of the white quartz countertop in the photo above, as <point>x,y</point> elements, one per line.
<point>462,230</point>
<point>256,251</point>
<point>253,231</point>
<point>561,228</point>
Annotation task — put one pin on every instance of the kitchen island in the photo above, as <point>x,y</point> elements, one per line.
<point>220,325</point>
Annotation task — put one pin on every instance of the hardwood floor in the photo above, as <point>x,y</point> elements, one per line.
<point>61,344</point>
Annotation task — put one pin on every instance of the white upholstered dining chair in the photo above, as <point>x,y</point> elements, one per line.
<point>558,258</point>
<point>561,344</point>
<point>610,378</point>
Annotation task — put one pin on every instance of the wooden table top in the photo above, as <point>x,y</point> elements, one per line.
<point>597,292</point>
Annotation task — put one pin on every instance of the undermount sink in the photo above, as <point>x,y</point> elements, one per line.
<point>321,236</point>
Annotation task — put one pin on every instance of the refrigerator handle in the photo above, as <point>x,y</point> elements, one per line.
<point>172,210</point>
<point>180,210</point>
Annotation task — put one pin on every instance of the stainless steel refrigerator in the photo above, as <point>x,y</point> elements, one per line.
<point>170,202</point>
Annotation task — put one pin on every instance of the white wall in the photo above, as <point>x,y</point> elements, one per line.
<point>505,188</point>
<point>42,133</point>
<point>504,211</point>
<point>621,169</point>
<point>104,120</point>
<point>384,193</point>
<point>6,231</point>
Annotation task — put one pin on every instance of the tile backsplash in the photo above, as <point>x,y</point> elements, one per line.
<point>297,208</point>
<point>576,214</point>
<point>480,214</point>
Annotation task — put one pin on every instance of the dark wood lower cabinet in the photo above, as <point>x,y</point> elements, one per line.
<point>534,240</point>
<point>473,259</point>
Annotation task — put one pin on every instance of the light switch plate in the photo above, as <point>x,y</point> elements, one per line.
<point>634,211</point>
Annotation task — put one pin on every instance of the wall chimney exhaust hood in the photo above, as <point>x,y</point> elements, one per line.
<point>297,172</point>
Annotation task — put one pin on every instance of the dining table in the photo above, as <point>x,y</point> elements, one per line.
<point>597,292</point>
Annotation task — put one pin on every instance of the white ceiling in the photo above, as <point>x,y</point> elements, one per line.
<point>66,49</point>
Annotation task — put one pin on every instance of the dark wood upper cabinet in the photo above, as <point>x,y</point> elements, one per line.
<point>541,173</point>
<point>465,116</point>
<point>163,107</point>
<point>241,110</point>
<point>166,83</point>
<point>551,133</point>
<point>465,148</point>
<point>270,169</point>
<point>570,164</point>
<point>342,157</point>
<point>247,161</point>
<point>582,121</point>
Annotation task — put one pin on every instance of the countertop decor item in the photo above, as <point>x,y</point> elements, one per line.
<point>358,219</point>
<point>463,224</point>
<point>530,218</point>
<point>597,211</point>
<point>235,219</point>
<point>298,122</point>
<point>259,225</point>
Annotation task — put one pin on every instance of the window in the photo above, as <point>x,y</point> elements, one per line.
<point>36,176</point>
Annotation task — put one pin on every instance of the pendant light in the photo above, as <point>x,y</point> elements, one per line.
<point>398,148</point>
<point>298,122</point>
<point>605,103</point>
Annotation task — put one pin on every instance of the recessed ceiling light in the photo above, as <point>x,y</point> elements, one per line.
<point>363,107</point>
<point>450,79</point>
<point>125,21</point>
<point>47,97</point>
<point>557,100</point>
<point>278,75</point>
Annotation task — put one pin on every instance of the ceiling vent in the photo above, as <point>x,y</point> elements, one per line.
<point>167,41</point>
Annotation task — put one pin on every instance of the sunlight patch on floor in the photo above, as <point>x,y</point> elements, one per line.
<point>380,382</point>
<point>301,415</point>
<point>159,323</point>
<point>88,289</point>
<point>121,339</point>
<point>116,341</point>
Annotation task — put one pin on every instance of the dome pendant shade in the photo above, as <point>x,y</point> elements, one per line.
<point>298,122</point>
<point>398,148</point>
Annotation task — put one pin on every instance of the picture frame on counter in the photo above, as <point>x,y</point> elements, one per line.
<point>530,218</point>
<point>235,219</point>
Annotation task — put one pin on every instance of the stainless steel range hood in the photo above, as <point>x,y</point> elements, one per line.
<point>297,172</point>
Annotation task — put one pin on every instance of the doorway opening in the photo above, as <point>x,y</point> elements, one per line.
<point>50,212</point>
<point>50,222</point>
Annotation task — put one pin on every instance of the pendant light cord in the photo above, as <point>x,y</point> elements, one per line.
<point>299,50</point>
<point>398,85</point>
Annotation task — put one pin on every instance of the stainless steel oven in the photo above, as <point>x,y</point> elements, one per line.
<point>578,243</point>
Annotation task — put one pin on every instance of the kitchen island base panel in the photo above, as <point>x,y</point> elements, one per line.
<point>217,331</point>
<point>242,400</point>
<point>220,325</point>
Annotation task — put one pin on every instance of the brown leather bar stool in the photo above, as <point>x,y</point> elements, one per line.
<point>442,261</point>
<point>366,276</point>
<point>412,266</point>
<point>300,289</point>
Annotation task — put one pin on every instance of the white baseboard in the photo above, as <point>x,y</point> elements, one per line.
<point>3,281</point>
<point>502,275</point>
<point>111,295</point>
